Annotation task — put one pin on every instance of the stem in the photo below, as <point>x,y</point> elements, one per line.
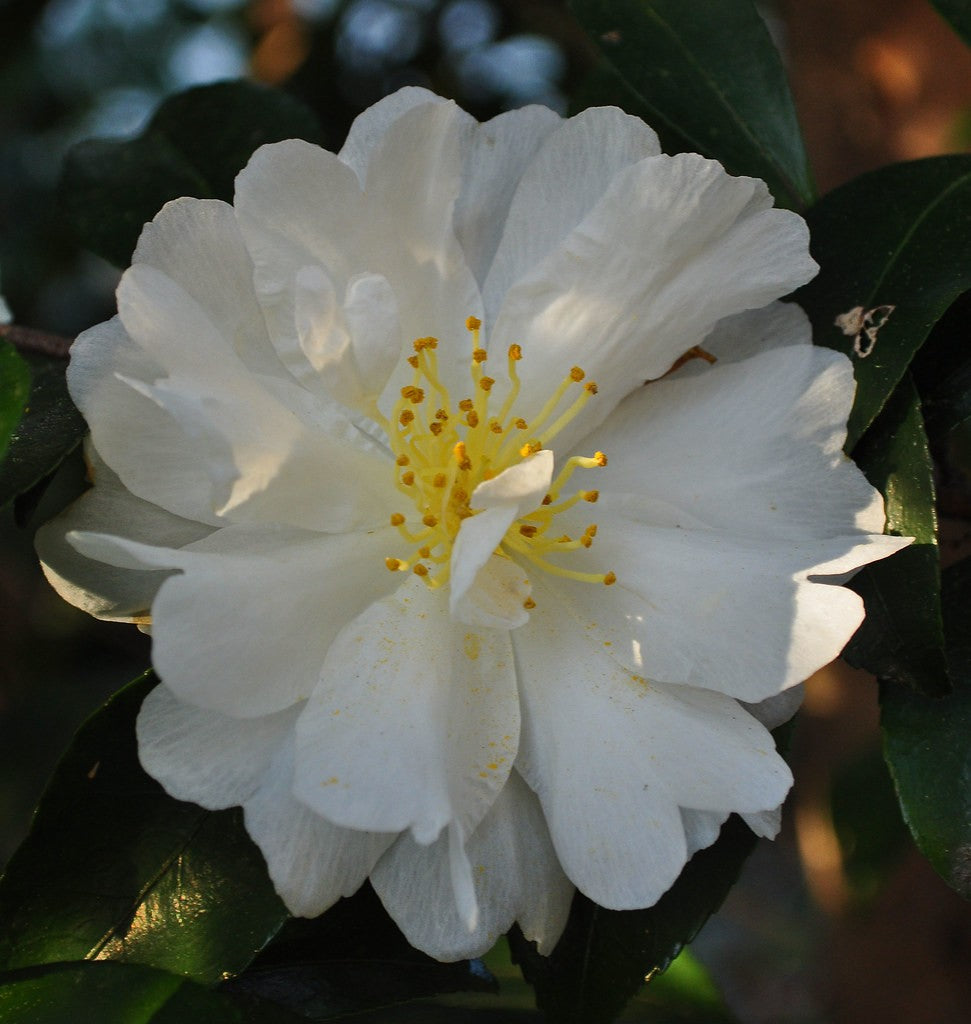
<point>27,339</point>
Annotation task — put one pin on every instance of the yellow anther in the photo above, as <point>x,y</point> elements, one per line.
<point>530,448</point>
<point>415,395</point>
<point>547,499</point>
<point>590,496</point>
<point>421,343</point>
<point>515,353</point>
<point>393,564</point>
<point>406,417</point>
<point>479,355</point>
<point>461,456</point>
<point>529,604</point>
<point>528,531</point>
<point>577,374</point>
<point>466,404</point>
<point>408,478</point>
<point>402,459</point>
<point>413,362</point>
<point>586,540</point>
<point>397,519</point>
<point>495,426</point>
<point>420,570</point>
<point>435,428</point>
<point>439,480</point>
<point>591,530</point>
<point>600,459</point>
<point>486,383</point>
<point>429,520</point>
<point>591,386</point>
<point>472,418</point>
<point>609,579</point>
<point>520,424</point>
<point>472,323</point>
<point>565,539</point>
<point>441,414</point>
<point>425,552</point>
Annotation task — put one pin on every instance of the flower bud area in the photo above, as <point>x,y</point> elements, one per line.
<point>443,450</point>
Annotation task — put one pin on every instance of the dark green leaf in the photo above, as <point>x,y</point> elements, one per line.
<point>112,993</point>
<point>14,390</point>
<point>927,744</point>
<point>113,868</point>
<point>902,637</point>
<point>901,237</point>
<point>195,145</point>
<point>50,429</point>
<point>604,955</point>
<point>958,13</point>
<point>710,76</point>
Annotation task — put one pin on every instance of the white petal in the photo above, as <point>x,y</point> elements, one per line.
<point>499,151</point>
<point>568,175</point>
<point>474,546</point>
<point>108,592</point>
<point>777,710</point>
<point>701,828</point>
<point>298,588</point>
<point>145,445</point>
<point>414,723</point>
<point>200,755</point>
<point>312,863</point>
<point>197,243</point>
<point>496,598</point>
<point>752,448</point>
<point>777,325</point>
<point>674,246</point>
<point>516,875</point>
<point>613,758</point>
<point>523,484</point>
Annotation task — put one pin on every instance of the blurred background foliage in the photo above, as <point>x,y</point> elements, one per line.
<point>840,920</point>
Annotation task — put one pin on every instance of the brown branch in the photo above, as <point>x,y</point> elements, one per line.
<point>27,339</point>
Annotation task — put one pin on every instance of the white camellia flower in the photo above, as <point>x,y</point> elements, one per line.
<point>460,576</point>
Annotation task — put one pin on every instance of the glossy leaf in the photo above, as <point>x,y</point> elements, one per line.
<point>958,13</point>
<point>14,390</point>
<point>50,429</point>
<point>604,955</point>
<point>899,236</point>
<point>927,744</point>
<point>902,637</point>
<point>195,145</point>
<point>113,993</point>
<point>710,76</point>
<point>113,868</point>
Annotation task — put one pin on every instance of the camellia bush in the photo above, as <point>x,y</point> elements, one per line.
<point>488,491</point>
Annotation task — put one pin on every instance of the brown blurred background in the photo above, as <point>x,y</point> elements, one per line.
<point>840,920</point>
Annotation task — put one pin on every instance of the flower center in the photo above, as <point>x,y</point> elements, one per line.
<point>443,451</point>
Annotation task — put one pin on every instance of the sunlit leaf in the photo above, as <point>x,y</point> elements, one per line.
<point>898,237</point>
<point>113,993</point>
<point>902,637</point>
<point>927,744</point>
<point>710,77</point>
<point>14,390</point>
<point>113,868</point>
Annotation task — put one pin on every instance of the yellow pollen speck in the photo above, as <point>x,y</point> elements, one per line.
<point>529,604</point>
<point>406,417</point>
<point>479,355</point>
<point>466,404</point>
<point>402,459</point>
<point>515,352</point>
<point>590,495</point>
<point>472,646</point>
<point>591,386</point>
<point>393,564</point>
<point>527,530</point>
<point>430,520</point>
<point>397,519</point>
<point>413,362</point>
<point>439,480</point>
<point>486,383</point>
<point>408,478</point>
<point>610,579</point>
<point>472,418</point>
<point>473,323</point>
<point>420,570</point>
<point>577,374</point>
